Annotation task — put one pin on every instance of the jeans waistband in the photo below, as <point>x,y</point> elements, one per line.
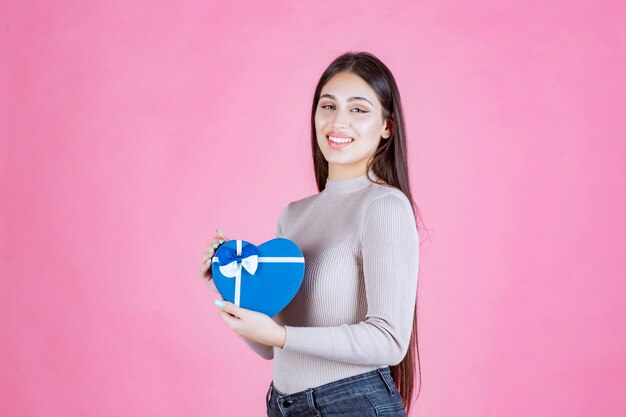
<point>325,394</point>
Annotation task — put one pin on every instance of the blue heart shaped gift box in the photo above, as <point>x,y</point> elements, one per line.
<point>262,278</point>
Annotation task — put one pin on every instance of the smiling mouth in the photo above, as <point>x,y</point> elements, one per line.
<point>338,140</point>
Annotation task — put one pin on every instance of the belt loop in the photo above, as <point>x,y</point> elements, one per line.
<point>384,376</point>
<point>311,402</point>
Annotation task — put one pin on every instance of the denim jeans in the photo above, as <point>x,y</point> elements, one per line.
<point>369,394</point>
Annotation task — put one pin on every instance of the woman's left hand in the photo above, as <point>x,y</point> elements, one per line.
<point>253,325</point>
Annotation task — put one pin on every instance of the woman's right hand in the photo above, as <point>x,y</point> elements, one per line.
<point>205,270</point>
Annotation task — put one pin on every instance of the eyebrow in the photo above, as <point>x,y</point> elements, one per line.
<point>332,97</point>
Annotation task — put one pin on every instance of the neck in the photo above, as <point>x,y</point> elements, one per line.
<point>348,185</point>
<point>344,172</point>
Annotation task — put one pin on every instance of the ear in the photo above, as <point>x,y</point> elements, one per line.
<point>387,129</point>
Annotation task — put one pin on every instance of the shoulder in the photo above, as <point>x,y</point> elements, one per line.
<point>388,212</point>
<point>387,199</point>
<point>298,206</point>
<point>387,207</point>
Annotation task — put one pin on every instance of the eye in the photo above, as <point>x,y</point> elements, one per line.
<point>325,106</point>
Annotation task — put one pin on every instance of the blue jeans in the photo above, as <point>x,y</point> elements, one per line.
<point>369,394</point>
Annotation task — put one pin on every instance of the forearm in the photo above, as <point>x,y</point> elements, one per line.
<point>264,351</point>
<point>374,341</point>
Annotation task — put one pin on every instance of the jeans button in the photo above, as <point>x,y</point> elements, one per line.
<point>287,403</point>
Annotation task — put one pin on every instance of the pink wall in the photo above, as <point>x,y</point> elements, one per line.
<point>130,130</point>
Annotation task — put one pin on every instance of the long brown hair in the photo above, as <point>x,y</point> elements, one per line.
<point>389,163</point>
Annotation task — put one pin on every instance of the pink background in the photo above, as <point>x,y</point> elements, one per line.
<point>130,130</point>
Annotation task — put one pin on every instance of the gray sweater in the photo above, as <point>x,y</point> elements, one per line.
<point>354,310</point>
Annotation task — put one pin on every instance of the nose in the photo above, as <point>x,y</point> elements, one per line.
<point>341,120</point>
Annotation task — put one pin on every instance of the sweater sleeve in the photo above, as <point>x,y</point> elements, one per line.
<point>264,351</point>
<point>390,256</point>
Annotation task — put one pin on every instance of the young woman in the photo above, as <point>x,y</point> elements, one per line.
<point>346,344</point>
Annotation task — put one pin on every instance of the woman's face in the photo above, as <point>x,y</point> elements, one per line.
<point>349,108</point>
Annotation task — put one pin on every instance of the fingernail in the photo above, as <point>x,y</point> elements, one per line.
<point>219,303</point>
<point>215,245</point>
<point>218,231</point>
<point>221,240</point>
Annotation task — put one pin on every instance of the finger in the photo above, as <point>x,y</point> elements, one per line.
<point>205,267</point>
<point>212,247</point>
<point>206,261</point>
<point>228,307</point>
<point>209,250</point>
<point>207,255</point>
<point>216,240</point>
<point>220,235</point>
<point>219,239</point>
<point>232,309</point>
<point>205,270</point>
<point>233,322</point>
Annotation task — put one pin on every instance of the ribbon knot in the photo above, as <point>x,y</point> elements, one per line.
<point>231,262</point>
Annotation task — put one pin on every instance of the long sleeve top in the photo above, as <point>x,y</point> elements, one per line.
<point>354,310</point>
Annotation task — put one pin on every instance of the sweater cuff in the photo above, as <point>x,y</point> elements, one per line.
<point>294,337</point>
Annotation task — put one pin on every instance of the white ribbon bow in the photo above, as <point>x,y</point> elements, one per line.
<point>233,270</point>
